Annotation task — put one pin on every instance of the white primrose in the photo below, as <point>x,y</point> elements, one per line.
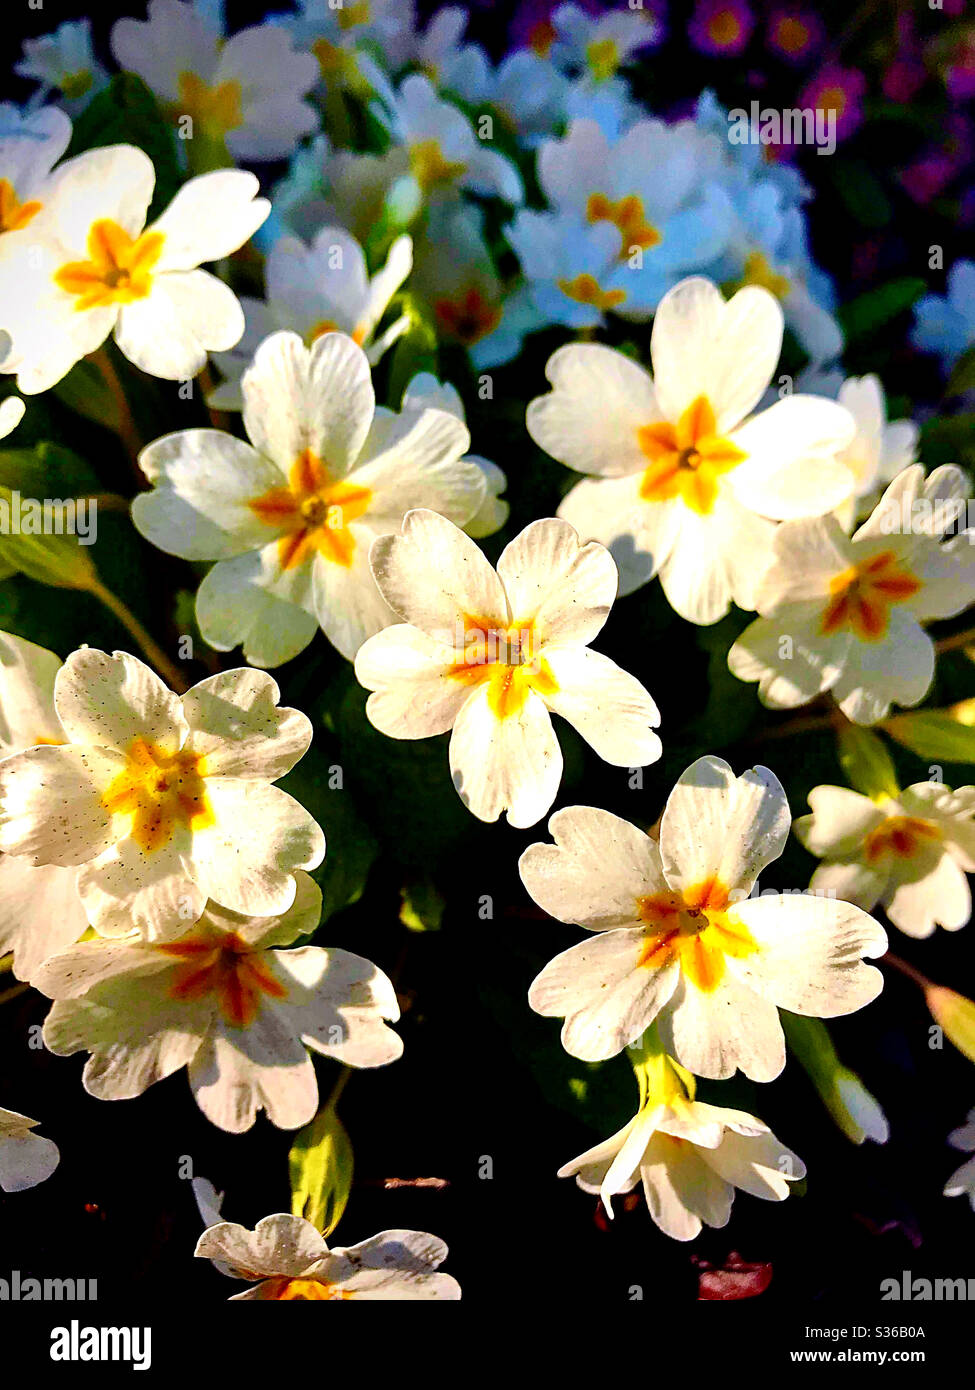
<point>228,1004</point>
<point>445,156</point>
<point>678,940</point>
<point>289,517</point>
<point>845,614</point>
<point>41,912</point>
<point>688,1157</point>
<point>93,268</point>
<point>687,481</point>
<point>31,143</point>
<point>286,1259</point>
<point>910,852</point>
<point>163,801</point>
<point>245,92</point>
<point>492,654</point>
<point>316,289</point>
<point>26,1158</point>
<point>65,61</point>
<point>962,1181</point>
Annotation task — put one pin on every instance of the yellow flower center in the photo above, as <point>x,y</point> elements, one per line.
<point>430,166</point>
<point>314,511</point>
<point>686,459</point>
<point>695,928</point>
<point>900,836</point>
<point>505,657</point>
<point>14,214</point>
<point>228,967</point>
<point>351,16</point>
<point>541,37</point>
<point>758,272</point>
<point>159,791</point>
<point>627,214</point>
<point>469,318</point>
<point>861,597</point>
<point>603,57</point>
<point>586,289</point>
<point>357,335</point>
<point>76,84</point>
<point>215,109</point>
<point>118,269</point>
<point>283,1289</point>
<point>832,99</point>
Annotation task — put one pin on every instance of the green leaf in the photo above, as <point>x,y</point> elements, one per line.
<point>862,192</point>
<point>421,905</point>
<point>868,766</point>
<point>962,374</point>
<point>415,351</point>
<point>871,311</point>
<point>58,560</point>
<point>126,113</point>
<point>935,734</point>
<point>320,1164</point>
<point>84,390</point>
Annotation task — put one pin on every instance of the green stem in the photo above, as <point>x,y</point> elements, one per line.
<point>125,426</point>
<point>146,641</point>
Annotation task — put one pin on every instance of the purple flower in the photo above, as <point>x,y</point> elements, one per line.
<point>838,89</point>
<point>794,34</point>
<point>721,27</point>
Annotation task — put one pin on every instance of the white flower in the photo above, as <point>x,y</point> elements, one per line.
<point>455,275</point>
<point>576,271</point>
<point>290,518</point>
<point>679,941</point>
<point>40,910</point>
<point>650,185</point>
<point>26,1158</point>
<point>858,1113</point>
<point>286,1258</point>
<point>30,146</point>
<point>685,475</point>
<point>11,414</point>
<point>962,1180</point>
<point>444,153</point>
<point>316,289</point>
<point>245,93</point>
<point>878,450</point>
<point>64,60</point>
<point>163,801</point>
<point>845,614</point>
<point>689,1158</point>
<point>910,852</point>
<point>341,37</point>
<point>94,268</point>
<point>600,44</point>
<point>227,1004</point>
<point>491,654</point>
<point>425,392</point>
<point>529,94</point>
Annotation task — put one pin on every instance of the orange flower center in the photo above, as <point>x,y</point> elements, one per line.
<point>118,269</point>
<point>225,966</point>
<point>469,318</point>
<point>900,836</point>
<point>505,657</point>
<point>586,289</point>
<point>627,214</point>
<point>686,459</point>
<point>696,929</point>
<point>791,34</point>
<point>541,38</point>
<point>159,791</point>
<point>14,215</point>
<point>284,1289</point>
<point>724,27</point>
<point>862,596</point>
<point>357,335</point>
<point>314,512</point>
